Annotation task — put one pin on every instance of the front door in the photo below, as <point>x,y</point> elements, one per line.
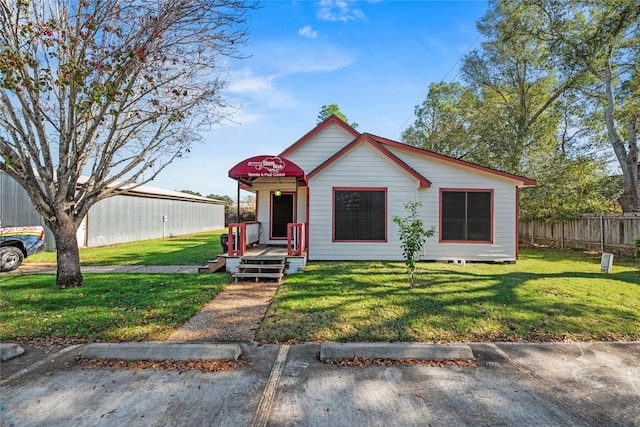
<point>281,214</point>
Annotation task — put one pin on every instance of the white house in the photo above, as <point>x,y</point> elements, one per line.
<point>332,195</point>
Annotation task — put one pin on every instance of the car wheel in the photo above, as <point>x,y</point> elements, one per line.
<point>10,258</point>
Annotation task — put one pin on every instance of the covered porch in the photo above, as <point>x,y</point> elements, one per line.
<point>281,227</point>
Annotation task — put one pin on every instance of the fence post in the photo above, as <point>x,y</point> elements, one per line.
<point>562,234</point>
<point>531,227</point>
<point>602,233</point>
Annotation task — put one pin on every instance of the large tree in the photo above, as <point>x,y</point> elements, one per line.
<point>602,38</point>
<point>445,122</point>
<point>548,51</point>
<point>114,90</point>
<point>516,83</point>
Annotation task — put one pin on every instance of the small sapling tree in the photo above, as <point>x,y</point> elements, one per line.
<point>412,236</point>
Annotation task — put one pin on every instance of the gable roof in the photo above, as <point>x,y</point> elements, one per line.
<point>332,119</point>
<point>527,182</point>
<point>381,143</point>
<point>367,139</point>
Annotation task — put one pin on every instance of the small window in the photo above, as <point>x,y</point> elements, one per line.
<point>466,215</point>
<point>360,215</point>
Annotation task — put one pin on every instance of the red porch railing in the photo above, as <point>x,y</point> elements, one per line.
<point>296,238</point>
<point>242,235</point>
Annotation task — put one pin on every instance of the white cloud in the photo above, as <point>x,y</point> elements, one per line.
<point>267,84</point>
<point>338,10</point>
<point>308,32</point>
<point>244,82</point>
<point>249,89</point>
<point>321,60</point>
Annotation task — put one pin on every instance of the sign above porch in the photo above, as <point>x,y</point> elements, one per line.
<point>256,167</point>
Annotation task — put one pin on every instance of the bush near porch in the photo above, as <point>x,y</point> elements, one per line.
<point>548,295</point>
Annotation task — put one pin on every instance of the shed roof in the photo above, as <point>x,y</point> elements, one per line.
<point>157,192</point>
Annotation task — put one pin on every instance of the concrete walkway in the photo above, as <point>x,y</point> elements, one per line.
<point>50,268</point>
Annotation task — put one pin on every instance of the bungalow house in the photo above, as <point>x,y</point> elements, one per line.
<point>333,193</point>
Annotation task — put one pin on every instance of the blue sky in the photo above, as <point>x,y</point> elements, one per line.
<point>375,59</point>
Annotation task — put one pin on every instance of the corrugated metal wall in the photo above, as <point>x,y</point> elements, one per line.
<point>128,218</point>
<point>117,219</point>
<point>16,209</point>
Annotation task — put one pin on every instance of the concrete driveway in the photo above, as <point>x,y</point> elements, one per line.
<point>573,384</point>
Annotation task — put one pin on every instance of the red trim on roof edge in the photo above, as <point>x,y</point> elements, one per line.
<point>331,119</point>
<point>527,182</point>
<point>424,182</point>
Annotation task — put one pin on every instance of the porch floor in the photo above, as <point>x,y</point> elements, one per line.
<point>263,250</point>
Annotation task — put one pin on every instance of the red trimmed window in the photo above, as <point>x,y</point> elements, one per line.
<point>360,214</point>
<point>466,216</point>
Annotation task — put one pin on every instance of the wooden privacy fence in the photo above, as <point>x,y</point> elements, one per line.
<point>612,233</point>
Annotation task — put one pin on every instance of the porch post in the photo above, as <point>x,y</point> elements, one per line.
<point>238,211</point>
<point>295,206</point>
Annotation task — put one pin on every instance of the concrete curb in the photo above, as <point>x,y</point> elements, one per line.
<point>162,351</point>
<point>9,351</point>
<point>397,351</point>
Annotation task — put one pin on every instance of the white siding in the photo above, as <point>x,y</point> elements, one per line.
<point>263,191</point>
<point>449,175</point>
<point>363,166</point>
<point>325,144</point>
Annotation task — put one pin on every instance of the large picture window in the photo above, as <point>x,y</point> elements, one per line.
<point>466,215</point>
<point>360,214</point>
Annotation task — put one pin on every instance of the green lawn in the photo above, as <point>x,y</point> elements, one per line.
<point>114,307</point>
<point>193,249</point>
<point>547,296</point>
<point>109,307</point>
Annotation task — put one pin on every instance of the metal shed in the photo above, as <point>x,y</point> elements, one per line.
<point>143,213</point>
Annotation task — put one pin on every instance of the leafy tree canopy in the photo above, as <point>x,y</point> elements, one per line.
<point>327,110</point>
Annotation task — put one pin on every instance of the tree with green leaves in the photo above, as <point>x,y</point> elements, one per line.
<point>412,236</point>
<point>530,116</point>
<point>108,89</point>
<point>602,39</point>
<point>517,85</point>
<point>445,122</point>
<point>583,49</point>
<point>328,110</point>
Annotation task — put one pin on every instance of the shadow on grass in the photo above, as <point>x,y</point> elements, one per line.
<point>111,307</point>
<point>373,302</point>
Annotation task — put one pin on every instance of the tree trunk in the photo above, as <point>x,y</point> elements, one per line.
<point>68,272</point>
<point>629,199</point>
<point>627,156</point>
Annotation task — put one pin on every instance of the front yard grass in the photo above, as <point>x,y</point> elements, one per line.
<point>109,307</point>
<point>192,249</point>
<point>548,295</point>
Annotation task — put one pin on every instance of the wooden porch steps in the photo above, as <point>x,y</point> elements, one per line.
<point>213,266</point>
<point>261,267</point>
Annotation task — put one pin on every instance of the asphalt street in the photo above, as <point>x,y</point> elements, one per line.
<point>512,384</point>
